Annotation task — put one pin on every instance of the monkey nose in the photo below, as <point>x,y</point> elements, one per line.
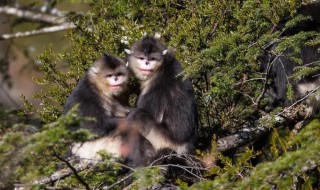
<point>116,79</point>
<point>147,63</point>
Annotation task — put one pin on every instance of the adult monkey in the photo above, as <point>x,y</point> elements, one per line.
<point>166,108</point>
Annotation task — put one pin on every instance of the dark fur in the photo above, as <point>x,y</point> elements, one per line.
<point>167,95</point>
<point>141,151</point>
<point>90,103</point>
<point>106,125</point>
<point>283,67</point>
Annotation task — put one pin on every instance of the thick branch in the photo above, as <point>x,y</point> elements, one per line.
<point>25,14</point>
<point>257,129</point>
<point>36,32</point>
<point>240,138</point>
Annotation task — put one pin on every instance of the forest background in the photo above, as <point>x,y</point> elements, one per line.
<point>246,143</point>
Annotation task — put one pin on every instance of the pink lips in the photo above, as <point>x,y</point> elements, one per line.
<point>115,86</point>
<point>146,72</point>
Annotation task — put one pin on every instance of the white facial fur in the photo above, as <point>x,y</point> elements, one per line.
<point>109,81</point>
<point>144,66</point>
<point>115,80</point>
<point>313,100</point>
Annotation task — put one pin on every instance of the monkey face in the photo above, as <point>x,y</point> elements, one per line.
<point>144,66</point>
<point>145,57</point>
<point>116,81</point>
<point>109,75</point>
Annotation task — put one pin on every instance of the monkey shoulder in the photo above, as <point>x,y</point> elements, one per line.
<point>90,104</point>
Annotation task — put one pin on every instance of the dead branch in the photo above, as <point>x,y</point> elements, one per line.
<point>30,15</point>
<point>255,130</point>
<point>240,138</point>
<point>60,23</point>
<point>36,32</point>
<point>265,83</point>
<point>118,182</point>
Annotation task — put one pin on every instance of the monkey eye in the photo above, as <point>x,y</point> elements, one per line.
<point>108,76</point>
<point>141,58</point>
<point>119,74</point>
<point>152,59</point>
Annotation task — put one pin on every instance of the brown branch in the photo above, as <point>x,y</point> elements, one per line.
<point>30,15</point>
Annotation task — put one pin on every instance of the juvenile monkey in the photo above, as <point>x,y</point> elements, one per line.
<point>166,108</point>
<point>102,95</point>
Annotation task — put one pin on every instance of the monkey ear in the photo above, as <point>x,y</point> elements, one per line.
<point>164,51</point>
<point>128,51</point>
<point>127,64</point>
<point>106,54</point>
<point>94,70</point>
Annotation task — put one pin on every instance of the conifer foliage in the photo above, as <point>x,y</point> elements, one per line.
<point>221,45</point>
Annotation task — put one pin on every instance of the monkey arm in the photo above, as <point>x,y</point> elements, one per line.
<point>174,113</point>
<point>122,111</point>
<point>145,123</point>
<point>141,119</point>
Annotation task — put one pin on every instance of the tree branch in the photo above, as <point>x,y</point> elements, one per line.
<point>118,182</point>
<point>60,22</point>
<point>255,130</point>
<point>74,170</point>
<point>62,174</point>
<point>30,15</point>
<point>36,32</point>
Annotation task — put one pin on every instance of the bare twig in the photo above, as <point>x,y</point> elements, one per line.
<point>185,168</point>
<point>265,84</point>
<point>118,182</point>
<point>300,100</point>
<point>30,15</point>
<point>75,172</point>
<point>60,23</point>
<point>248,80</point>
<point>191,164</point>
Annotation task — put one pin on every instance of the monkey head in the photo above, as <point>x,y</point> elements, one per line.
<point>109,75</point>
<point>145,57</point>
